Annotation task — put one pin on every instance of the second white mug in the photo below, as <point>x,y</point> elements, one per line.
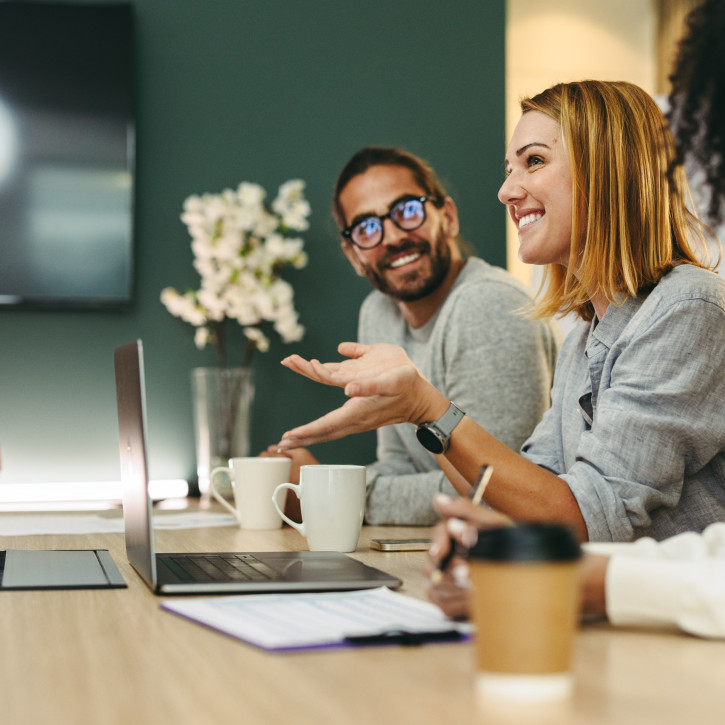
<point>332,499</point>
<point>253,481</point>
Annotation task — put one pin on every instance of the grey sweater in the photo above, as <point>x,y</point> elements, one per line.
<point>493,362</point>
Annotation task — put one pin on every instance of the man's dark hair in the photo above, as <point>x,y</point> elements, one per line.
<point>370,156</point>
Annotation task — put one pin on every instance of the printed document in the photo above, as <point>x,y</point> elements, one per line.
<point>284,622</point>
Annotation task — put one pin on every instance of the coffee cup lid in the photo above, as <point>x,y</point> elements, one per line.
<point>527,542</point>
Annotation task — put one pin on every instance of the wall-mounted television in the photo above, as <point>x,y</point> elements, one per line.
<point>66,154</point>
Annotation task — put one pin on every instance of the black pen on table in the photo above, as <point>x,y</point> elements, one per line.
<point>475,495</point>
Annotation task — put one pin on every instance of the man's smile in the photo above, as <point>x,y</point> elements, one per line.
<point>404,259</point>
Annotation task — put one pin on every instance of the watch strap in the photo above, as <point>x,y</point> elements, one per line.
<point>449,420</point>
<point>435,436</point>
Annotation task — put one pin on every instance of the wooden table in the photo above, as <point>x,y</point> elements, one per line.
<point>113,656</point>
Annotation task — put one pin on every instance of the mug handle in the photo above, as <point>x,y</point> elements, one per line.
<point>216,494</point>
<point>292,487</point>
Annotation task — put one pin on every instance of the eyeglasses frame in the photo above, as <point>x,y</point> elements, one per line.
<point>347,233</point>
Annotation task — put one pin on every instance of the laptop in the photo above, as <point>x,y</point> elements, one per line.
<point>207,573</point>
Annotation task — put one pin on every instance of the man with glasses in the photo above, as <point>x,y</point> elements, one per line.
<point>459,319</point>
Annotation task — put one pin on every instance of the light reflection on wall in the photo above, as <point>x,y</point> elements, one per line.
<point>78,230</point>
<point>67,81</point>
<point>67,223</point>
<point>8,142</point>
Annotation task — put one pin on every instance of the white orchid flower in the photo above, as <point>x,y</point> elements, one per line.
<point>215,306</point>
<point>260,340</point>
<point>239,245</point>
<point>250,194</point>
<point>201,337</point>
<point>291,190</point>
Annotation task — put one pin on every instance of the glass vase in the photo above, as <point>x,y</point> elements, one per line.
<point>222,408</point>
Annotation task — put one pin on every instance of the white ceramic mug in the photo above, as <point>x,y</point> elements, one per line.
<point>332,502</point>
<point>253,481</point>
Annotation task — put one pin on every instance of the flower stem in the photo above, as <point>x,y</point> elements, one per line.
<point>217,337</point>
<point>249,349</point>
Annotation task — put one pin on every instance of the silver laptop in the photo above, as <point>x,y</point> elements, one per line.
<point>207,573</point>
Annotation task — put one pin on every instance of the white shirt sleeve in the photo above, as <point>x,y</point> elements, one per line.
<point>679,582</point>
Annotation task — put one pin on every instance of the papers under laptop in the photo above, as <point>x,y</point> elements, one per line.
<point>206,573</point>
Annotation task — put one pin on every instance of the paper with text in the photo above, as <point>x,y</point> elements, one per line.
<point>283,622</point>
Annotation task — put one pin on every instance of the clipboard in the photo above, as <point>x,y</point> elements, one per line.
<point>323,620</point>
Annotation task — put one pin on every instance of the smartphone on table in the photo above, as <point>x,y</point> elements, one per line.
<point>400,544</point>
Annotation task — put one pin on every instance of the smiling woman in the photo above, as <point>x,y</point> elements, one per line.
<point>634,442</point>
<point>538,190</point>
<point>629,222</point>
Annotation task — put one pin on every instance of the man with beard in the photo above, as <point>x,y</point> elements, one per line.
<point>459,319</point>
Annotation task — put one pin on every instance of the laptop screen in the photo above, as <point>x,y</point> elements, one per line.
<point>131,402</point>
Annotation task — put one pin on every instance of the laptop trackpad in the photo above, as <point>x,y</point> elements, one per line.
<point>60,570</point>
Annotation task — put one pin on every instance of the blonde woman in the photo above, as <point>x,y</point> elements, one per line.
<point>634,443</point>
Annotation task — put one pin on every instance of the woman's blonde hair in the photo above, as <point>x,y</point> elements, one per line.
<point>630,220</point>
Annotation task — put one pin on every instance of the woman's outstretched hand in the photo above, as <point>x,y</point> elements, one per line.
<point>383,387</point>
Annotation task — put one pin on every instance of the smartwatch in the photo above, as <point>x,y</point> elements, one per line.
<point>436,436</point>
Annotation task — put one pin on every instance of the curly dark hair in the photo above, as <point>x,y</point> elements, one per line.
<point>697,100</point>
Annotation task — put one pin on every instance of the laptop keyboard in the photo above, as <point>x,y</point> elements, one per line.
<point>218,567</point>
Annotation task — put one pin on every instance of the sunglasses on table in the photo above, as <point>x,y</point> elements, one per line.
<point>407,214</point>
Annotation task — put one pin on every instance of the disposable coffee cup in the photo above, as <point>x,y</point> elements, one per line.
<point>525,603</point>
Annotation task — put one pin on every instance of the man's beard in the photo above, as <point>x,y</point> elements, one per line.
<point>412,286</point>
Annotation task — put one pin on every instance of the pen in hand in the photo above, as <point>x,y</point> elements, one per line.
<point>475,495</point>
<point>476,492</point>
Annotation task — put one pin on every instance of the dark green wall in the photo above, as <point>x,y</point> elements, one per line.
<point>263,91</point>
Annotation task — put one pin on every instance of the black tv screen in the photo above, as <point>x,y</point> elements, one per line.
<point>66,154</point>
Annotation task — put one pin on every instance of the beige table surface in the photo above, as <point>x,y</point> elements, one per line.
<point>113,656</point>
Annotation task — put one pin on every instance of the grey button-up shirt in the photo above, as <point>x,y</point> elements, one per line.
<point>637,423</point>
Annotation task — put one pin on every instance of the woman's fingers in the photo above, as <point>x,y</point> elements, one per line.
<point>474,514</point>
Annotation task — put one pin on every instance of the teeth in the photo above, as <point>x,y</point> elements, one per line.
<point>529,219</point>
<point>407,259</point>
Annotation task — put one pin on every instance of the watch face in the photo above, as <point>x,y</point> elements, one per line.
<point>428,438</point>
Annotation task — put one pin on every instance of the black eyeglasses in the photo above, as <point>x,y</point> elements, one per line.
<point>407,214</point>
